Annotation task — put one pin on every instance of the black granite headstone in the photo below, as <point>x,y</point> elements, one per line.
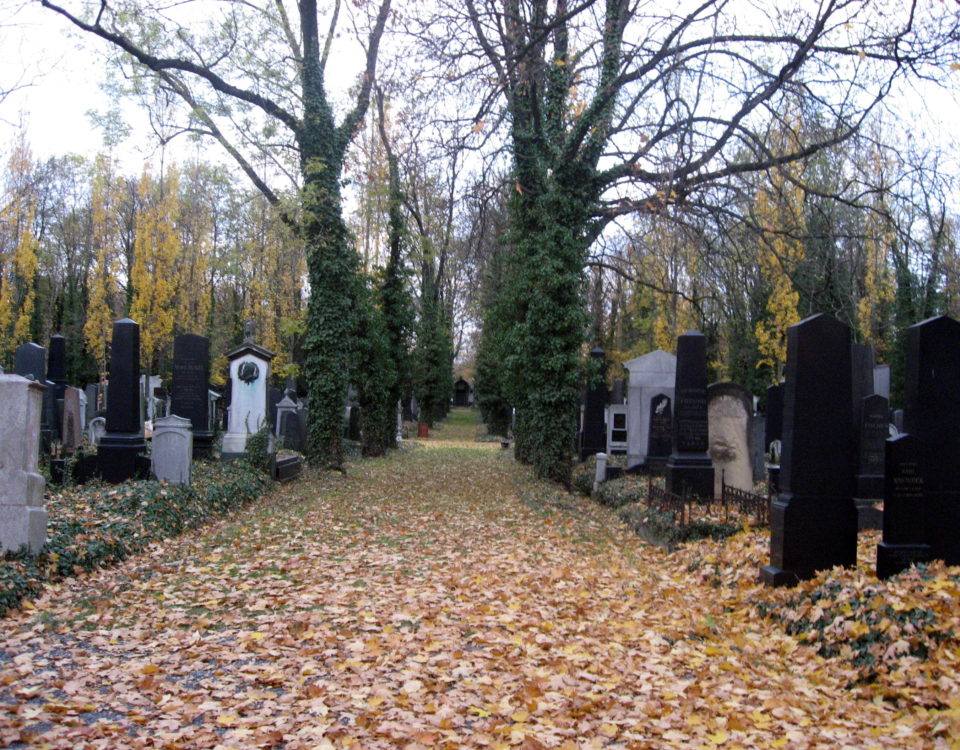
<point>813,524</point>
<point>30,361</point>
<point>862,362</point>
<point>274,397</point>
<point>932,415</point>
<point>660,432</point>
<point>57,364</point>
<point>593,432</point>
<point>689,468</point>
<point>123,443</point>
<point>189,398</point>
<point>904,528</point>
<point>873,433</point>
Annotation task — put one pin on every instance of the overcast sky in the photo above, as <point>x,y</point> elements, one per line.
<point>63,68</point>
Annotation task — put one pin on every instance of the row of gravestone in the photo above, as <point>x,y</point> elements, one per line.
<point>835,449</point>
<point>814,518</point>
<point>740,441</point>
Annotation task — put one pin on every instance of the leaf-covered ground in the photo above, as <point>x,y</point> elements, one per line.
<point>440,597</point>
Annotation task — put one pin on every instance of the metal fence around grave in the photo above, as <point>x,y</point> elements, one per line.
<point>684,507</point>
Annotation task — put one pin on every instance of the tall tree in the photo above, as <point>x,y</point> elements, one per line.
<point>253,59</point>
<point>621,107</point>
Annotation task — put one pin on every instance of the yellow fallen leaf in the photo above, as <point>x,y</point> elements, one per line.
<point>228,720</point>
<point>477,711</point>
<point>520,716</point>
<point>718,738</point>
<point>149,669</point>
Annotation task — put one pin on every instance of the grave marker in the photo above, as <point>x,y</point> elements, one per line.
<point>689,468</point>
<point>813,523</point>
<point>23,520</point>
<point>189,389</point>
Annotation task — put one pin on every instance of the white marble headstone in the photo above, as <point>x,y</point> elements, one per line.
<point>249,375</point>
<point>649,375</point>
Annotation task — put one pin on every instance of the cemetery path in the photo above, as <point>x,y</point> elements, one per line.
<point>438,597</point>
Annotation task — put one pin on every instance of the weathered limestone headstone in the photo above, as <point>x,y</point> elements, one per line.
<point>23,520</point>
<point>904,523</point>
<point>689,467</point>
<point>30,361</point>
<point>120,449</point>
<point>148,385</point>
<point>249,375</point>
<point>728,418</point>
<point>189,396</point>
<point>172,449</point>
<point>813,523</point>
<point>93,395</point>
<point>932,415</point>
<point>71,435</point>
<point>593,433</point>
<point>651,375</point>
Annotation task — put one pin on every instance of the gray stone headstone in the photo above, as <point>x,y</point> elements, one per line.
<point>98,428</point>
<point>689,468</point>
<point>71,435</point>
<point>813,524</point>
<point>93,394</point>
<point>729,408</point>
<point>172,449</point>
<point>650,376</point>
<point>881,381</point>
<point>23,520</point>
<point>288,425</point>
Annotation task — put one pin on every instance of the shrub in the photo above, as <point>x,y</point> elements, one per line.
<point>261,449</point>
<point>619,492</point>
<point>97,524</point>
<point>660,526</point>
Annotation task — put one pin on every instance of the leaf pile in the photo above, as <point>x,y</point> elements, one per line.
<point>98,524</point>
<point>443,598</point>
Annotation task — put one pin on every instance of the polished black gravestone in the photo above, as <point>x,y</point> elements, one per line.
<point>593,433</point>
<point>813,524</point>
<point>660,432</point>
<point>30,361</point>
<point>57,365</point>
<point>189,398</point>
<point>932,415</point>
<point>689,468</point>
<point>862,362</point>
<point>121,448</point>
<point>904,528</point>
<point>873,431</point>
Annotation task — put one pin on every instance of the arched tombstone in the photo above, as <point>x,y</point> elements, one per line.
<point>728,417</point>
<point>249,375</point>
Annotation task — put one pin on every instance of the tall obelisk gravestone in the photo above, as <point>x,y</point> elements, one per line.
<point>593,434</point>
<point>689,467</point>
<point>123,443</point>
<point>813,523</point>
